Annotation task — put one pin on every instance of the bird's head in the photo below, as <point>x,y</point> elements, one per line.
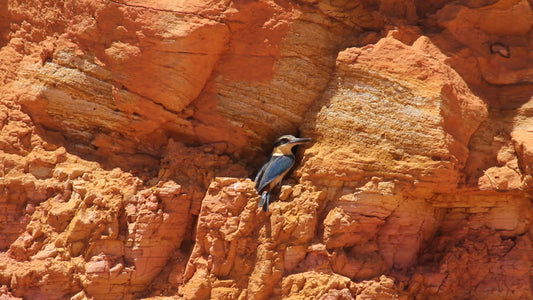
<point>283,145</point>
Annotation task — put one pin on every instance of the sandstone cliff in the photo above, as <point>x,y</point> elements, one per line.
<point>129,129</point>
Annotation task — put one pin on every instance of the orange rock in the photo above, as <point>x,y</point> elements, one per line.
<point>430,134</point>
<point>522,139</point>
<point>128,130</point>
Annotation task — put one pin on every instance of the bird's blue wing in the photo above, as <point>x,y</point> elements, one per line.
<point>275,167</point>
<point>260,174</point>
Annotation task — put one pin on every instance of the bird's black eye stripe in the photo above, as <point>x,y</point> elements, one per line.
<point>281,142</point>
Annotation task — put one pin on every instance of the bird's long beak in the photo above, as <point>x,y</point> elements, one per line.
<point>299,141</point>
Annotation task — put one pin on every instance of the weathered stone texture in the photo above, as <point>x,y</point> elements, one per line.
<point>129,129</point>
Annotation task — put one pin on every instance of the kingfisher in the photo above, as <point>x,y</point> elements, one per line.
<point>276,167</point>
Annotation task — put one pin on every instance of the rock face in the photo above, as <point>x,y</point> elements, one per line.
<point>129,129</point>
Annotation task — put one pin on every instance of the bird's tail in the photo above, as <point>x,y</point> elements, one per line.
<point>265,200</point>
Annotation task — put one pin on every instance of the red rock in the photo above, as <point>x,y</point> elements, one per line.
<point>128,130</point>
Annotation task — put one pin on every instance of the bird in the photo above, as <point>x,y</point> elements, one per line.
<point>276,167</point>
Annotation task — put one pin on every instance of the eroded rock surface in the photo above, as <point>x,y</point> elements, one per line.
<point>129,129</point>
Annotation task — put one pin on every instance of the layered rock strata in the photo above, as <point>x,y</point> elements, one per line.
<point>129,129</point>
